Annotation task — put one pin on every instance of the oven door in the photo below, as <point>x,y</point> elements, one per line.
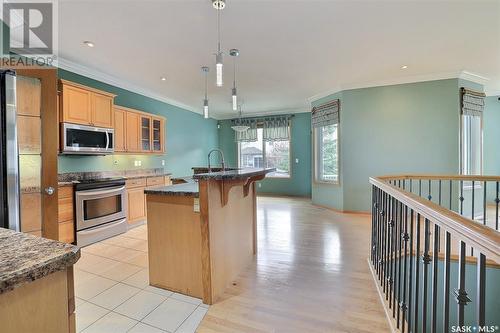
<point>99,206</point>
<point>88,140</point>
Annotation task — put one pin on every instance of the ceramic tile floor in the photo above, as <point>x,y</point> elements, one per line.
<point>113,293</point>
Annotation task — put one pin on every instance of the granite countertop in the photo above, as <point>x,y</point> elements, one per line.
<point>148,175</point>
<point>187,189</point>
<point>234,174</point>
<point>26,258</point>
<point>68,179</point>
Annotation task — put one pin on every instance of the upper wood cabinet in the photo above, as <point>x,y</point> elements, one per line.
<point>120,130</point>
<point>145,133</point>
<point>86,106</point>
<point>138,132</point>
<point>102,111</point>
<point>158,134</point>
<point>132,128</point>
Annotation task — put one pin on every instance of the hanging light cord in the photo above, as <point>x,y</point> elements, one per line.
<point>206,85</point>
<point>218,30</point>
<point>234,73</point>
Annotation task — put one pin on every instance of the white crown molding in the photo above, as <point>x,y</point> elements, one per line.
<point>117,82</point>
<point>404,80</point>
<point>264,113</point>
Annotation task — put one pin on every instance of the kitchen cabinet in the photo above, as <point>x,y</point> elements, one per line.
<point>145,133</point>
<point>137,211</point>
<point>65,219</point>
<point>136,205</point>
<point>138,132</point>
<point>102,111</point>
<point>132,132</point>
<point>136,200</point>
<point>120,130</point>
<point>86,106</point>
<point>157,134</point>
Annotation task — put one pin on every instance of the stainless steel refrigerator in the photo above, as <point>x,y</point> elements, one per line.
<point>9,155</point>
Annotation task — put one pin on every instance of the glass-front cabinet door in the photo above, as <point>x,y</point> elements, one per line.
<point>145,133</point>
<point>157,135</point>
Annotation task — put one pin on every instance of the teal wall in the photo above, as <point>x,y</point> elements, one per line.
<point>189,136</point>
<point>406,128</point>
<point>299,184</point>
<point>491,136</point>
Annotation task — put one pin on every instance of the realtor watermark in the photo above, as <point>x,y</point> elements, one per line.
<point>28,33</point>
<point>475,329</point>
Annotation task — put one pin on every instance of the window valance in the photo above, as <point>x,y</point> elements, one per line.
<point>276,128</point>
<point>250,135</point>
<point>472,102</point>
<point>326,114</point>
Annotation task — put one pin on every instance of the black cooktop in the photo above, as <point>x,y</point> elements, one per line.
<point>95,183</point>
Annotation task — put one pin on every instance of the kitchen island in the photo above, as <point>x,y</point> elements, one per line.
<point>36,284</point>
<point>202,234</point>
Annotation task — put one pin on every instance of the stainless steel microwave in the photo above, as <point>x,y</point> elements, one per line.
<point>86,140</point>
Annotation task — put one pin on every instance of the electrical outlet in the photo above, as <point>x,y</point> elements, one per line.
<point>259,185</point>
<point>163,162</point>
<point>296,161</point>
<point>139,163</point>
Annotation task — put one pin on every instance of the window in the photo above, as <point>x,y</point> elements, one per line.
<point>326,153</point>
<point>472,145</point>
<point>260,154</point>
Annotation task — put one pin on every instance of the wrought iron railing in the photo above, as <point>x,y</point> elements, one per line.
<point>421,231</point>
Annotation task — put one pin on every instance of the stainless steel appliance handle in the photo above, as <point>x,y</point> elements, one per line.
<point>12,154</point>
<point>100,192</point>
<point>107,140</point>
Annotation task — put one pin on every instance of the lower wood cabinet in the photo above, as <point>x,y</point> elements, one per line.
<point>65,219</point>
<point>136,205</point>
<point>137,211</point>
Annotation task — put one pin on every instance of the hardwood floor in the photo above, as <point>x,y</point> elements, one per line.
<point>310,275</point>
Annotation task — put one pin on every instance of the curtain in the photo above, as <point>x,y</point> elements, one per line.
<point>250,135</point>
<point>276,128</point>
<point>326,114</point>
<point>472,103</point>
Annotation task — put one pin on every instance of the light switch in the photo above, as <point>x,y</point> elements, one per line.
<point>163,162</point>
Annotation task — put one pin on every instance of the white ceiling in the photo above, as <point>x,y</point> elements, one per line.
<point>290,49</point>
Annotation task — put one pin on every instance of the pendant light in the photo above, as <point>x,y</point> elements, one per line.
<point>238,124</point>
<point>219,5</point>
<point>205,71</point>
<point>234,53</point>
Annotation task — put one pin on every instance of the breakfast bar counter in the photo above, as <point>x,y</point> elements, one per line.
<point>36,283</point>
<point>201,235</point>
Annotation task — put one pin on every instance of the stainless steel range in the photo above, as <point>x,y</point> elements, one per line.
<point>100,208</point>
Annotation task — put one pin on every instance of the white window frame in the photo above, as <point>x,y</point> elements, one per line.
<point>270,175</point>
<point>317,161</point>
<point>464,150</point>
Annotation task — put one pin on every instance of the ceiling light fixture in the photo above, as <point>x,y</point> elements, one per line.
<point>404,67</point>
<point>163,78</point>
<point>234,53</point>
<point>205,71</point>
<point>239,126</point>
<point>219,6</point>
<point>89,43</point>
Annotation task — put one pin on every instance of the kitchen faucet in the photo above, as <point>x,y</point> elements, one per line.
<point>221,155</point>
